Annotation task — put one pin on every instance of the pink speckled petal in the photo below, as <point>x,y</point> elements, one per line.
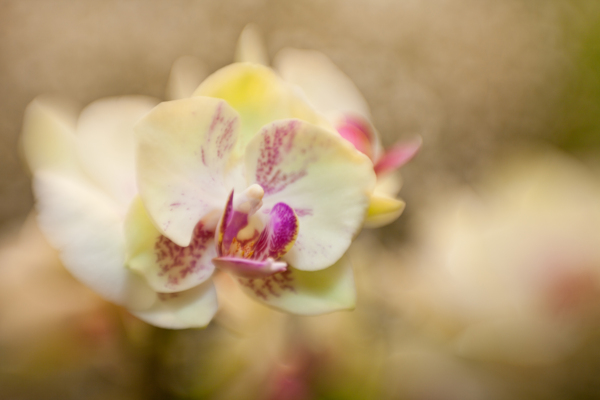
<point>183,159</point>
<point>305,292</point>
<point>85,225</point>
<point>245,267</point>
<point>322,177</point>
<point>192,308</point>
<point>397,156</point>
<point>166,266</point>
<point>279,235</point>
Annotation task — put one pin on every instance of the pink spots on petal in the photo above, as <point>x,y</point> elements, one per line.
<point>175,205</point>
<point>177,263</point>
<point>217,119</point>
<point>276,145</point>
<point>271,286</point>
<point>220,137</point>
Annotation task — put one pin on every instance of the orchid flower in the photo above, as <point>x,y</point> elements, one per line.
<point>232,179</point>
<point>333,94</point>
<point>243,177</point>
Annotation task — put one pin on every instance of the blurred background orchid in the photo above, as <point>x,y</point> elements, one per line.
<point>486,287</point>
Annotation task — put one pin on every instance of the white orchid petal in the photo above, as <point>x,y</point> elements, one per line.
<point>183,158</point>
<point>326,87</point>
<point>106,144</point>
<point>251,47</point>
<point>187,73</point>
<point>306,292</point>
<point>192,308</point>
<point>85,225</point>
<point>167,267</point>
<point>48,137</point>
<point>322,177</point>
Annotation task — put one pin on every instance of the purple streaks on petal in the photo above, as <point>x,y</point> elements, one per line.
<point>276,144</point>
<point>220,138</point>
<point>279,234</point>
<point>272,285</point>
<point>178,262</point>
<point>247,268</point>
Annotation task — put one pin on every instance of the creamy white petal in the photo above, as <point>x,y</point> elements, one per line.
<point>48,137</point>
<point>192,308</point>
<point>86,227</point>
<point>322,177</point>
<point>106,144</point>
<point>251,47</point>
<point>186,75</point>
<point>183,158</point>
<point>326,87</point>
<point>306,292</point>
<point>167,267</point>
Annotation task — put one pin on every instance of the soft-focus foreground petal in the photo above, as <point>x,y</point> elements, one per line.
<point>48,137</point>
<point>192,308</point>
<point>383,210</point>
<point>327,88</point>
<point>257,94</point>
<point>186,75</point>
<point>166,266</point>
<point>251,47</point>
<point>322,177</point>
<point>106,144</point>
<point>182,161</point>
<point>397,156</point>
<point>85,225</point>
<point>306,292</point>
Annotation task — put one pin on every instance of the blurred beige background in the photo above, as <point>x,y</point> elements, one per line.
<point>469,76</point>
<point>475,78</point>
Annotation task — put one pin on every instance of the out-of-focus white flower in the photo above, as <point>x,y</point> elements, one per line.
<point>511,272</point>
